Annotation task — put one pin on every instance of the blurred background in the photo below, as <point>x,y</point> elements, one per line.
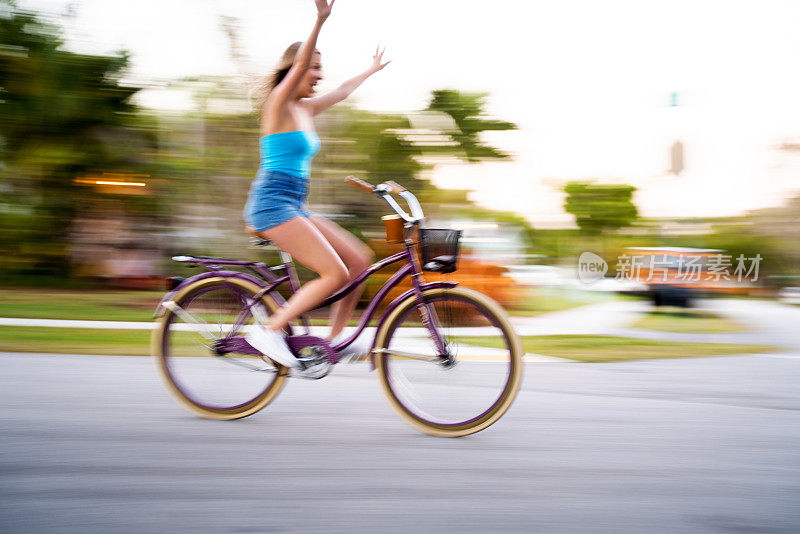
<point>627,178</point>
<point>672,137</point>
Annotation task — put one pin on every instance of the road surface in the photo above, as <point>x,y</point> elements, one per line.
<point>95,444</point>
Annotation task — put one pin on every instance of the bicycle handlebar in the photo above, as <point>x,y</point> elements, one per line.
<point>385,191</point>
<point>359,184</point>
<point>394,187</point>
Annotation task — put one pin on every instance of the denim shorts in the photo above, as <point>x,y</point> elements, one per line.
<point>275,198</point>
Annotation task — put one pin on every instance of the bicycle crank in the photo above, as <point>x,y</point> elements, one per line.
<point>314,353</point>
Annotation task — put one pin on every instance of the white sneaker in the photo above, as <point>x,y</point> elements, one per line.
<point>355,350</point>
<point>273,345</point>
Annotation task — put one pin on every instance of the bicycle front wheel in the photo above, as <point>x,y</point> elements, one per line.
<point>196,344</point>
<point>467,388</point>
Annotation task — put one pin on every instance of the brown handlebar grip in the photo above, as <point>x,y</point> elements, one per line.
<point>359,184</point>
<point>394,187</point>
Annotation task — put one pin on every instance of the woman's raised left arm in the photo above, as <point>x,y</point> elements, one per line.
<point>320,103</point>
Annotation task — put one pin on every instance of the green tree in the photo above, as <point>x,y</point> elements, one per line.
<point>600,208</point>
<point>62,115</point>
<point>468,113</point>
<point>379,147</point>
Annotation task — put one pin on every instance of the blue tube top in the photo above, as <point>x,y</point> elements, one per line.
<point>289,152</point>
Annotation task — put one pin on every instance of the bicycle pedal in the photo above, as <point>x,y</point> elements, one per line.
<point>315,371</point>
<point>307,347</point>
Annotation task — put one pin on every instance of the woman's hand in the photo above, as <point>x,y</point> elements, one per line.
<point>324,8</point>
<point>320,103</point>
<point>376,61</point>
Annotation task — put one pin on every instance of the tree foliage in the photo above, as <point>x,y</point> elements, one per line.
<point>468,112</point>
<point>62,115</point>
<point>378,147</point>
<point>599,208</point>
<point>66,116</point>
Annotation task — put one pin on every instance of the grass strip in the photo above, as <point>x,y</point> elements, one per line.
<point>79,305</point>
<point>74,340</point>
<point>95,341</point>
<point>688,321</point>
<point>139,305</point>
<point>581,348</point>
<point>610,348</point>
<point>541,301</point>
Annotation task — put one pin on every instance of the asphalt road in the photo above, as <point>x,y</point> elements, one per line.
<point>95,444</point>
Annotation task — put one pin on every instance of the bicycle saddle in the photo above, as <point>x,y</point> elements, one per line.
<point>257,240</point>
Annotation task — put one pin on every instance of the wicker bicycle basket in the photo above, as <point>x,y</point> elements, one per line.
<point>439,248</point>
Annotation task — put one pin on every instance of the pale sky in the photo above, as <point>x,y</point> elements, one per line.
<point>588,83</point>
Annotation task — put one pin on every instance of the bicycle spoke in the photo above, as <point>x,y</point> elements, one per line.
<point>234,361</point>
<point>191,319</point>
<point>470,388</point>
<point>258,311</point>
<point>410,355</point>
<point>400,380</point>
<point>202,353</point>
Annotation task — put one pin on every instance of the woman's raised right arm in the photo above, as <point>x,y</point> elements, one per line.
<point>302,60</point>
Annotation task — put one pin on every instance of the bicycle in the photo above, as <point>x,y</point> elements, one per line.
<point>447,356</point>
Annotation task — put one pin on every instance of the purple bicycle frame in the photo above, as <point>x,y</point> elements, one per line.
<point>427,314</point>
<point>410,268</point>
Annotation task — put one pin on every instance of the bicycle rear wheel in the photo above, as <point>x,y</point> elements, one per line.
<point>200,351</point>
<point>460,392</point>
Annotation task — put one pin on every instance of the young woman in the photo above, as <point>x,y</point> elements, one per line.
<point>275,206</point>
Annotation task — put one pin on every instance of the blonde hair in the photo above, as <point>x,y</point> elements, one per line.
<point>267,83</point>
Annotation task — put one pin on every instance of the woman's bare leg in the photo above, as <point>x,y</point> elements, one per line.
<point>356,256</point>
<point>309,246</point>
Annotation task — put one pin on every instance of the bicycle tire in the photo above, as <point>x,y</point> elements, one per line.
<point>473,308</point>
<point>184,368</point>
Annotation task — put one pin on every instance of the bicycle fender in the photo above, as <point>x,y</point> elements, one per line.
<point>210,274</point>
<point>396,302</point>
